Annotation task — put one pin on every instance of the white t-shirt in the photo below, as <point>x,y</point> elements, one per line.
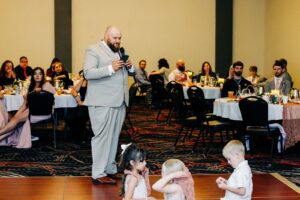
<point>241,177</point>
<point>178,76</point>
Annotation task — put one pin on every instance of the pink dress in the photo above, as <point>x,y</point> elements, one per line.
<point>20,137</point>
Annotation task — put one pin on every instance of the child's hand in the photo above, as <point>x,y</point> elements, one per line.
<point>221,182</point>
<point>145,172</point>
<point>37,89</point>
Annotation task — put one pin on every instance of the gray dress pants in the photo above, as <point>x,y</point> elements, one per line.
<point>106,124</point>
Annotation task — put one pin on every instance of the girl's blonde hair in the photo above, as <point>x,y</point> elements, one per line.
<point>232,147</point>
<point>186,183</point>
<point>173,165</point>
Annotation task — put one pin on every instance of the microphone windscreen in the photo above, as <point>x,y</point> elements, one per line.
<point>122,51</point>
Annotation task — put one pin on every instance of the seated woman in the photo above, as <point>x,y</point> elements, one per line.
<point>16,130</point>
<point>163,70</point>
<point>60,74</point>
<point>206,71</point>
<point>253,76</point>
<point>51,69</point>
<point>77,117</point>
<point>230,73</point>
<point>7,74</point>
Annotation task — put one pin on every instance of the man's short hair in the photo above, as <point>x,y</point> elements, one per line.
<point>142,61</point>
<point>23,57</point>
<point>253,68</point>
<point>238,63</point>
<point>278,63</point>
<point>284,62</point>
<point>232,147</point>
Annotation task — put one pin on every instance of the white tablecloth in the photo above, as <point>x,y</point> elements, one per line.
<point>64,101</point>
<point>209,92</point>
<point>231,110</point>
<point>13,102</point>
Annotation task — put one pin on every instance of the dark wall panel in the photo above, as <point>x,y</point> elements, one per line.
<point>63,32</point>
<point>224,31</point>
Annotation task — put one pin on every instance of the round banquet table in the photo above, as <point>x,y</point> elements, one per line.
<point>226,108</point>
<point>209,92</point>
<point>13,102</point>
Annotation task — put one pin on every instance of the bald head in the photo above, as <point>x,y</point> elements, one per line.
<point>180,64</point>
<point>112,38</point>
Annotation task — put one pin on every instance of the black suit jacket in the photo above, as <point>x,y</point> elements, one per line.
<point>20,72</point>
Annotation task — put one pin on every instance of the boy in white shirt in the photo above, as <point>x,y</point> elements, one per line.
<point>239,185</point>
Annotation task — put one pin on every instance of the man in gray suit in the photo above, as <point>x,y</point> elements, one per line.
<point>106,98</point>
<point>141,78</point>
<point>278,82</point>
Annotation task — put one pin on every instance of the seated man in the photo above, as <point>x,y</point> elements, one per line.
<point>279,81</point>
<point>141,78</point>
<point>23,71</point>
<point>179,75</point>
<point>237,82</point>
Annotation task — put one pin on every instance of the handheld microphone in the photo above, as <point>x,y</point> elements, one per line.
<point>122,51</point>
<point>123,55</point>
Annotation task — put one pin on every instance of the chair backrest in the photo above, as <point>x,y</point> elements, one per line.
<point>174,85</point>
<point>40,103</point>
<point>175,91</point>
<point>158,88</point>
<point>197,100</point>
<point>132,93</point>
<point>254,111</point>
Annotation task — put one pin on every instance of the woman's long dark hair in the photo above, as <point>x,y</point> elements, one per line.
<point>54,60</point>
<point>2,71</point>
<point>132,153</point>
<point>32,81</point>
<point>202,69</point>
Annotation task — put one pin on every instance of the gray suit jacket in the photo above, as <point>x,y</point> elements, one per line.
<point>285,86</point>
<point>104,89</point>
<point>141,78</point>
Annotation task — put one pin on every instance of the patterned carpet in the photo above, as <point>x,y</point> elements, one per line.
<point>74,159</point>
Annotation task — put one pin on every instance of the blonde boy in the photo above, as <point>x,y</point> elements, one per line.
<point>239,185</point>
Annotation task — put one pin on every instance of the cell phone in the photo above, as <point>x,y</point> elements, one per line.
<point>124,58</point>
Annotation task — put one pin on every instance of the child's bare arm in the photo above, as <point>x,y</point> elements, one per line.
<point>132,183</point>
<point>222,184</point>
<point>239,191</point>
<point>162,184</point>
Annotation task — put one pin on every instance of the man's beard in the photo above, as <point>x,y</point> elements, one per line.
<point>278,75</point>
<point>113,47</point>
<point>238,73</point>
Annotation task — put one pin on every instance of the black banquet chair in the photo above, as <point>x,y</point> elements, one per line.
<point>211,126</point>
<point>160,96</point>
<point>132,95</point>
<point>41,104</point>
<point>254,112</point>
<point>179,106</point>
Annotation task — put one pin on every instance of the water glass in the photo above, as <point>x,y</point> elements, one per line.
<point>285,99</point>
<point>61,85</point>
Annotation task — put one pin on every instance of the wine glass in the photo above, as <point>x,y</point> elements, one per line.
<point>61,85</point>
